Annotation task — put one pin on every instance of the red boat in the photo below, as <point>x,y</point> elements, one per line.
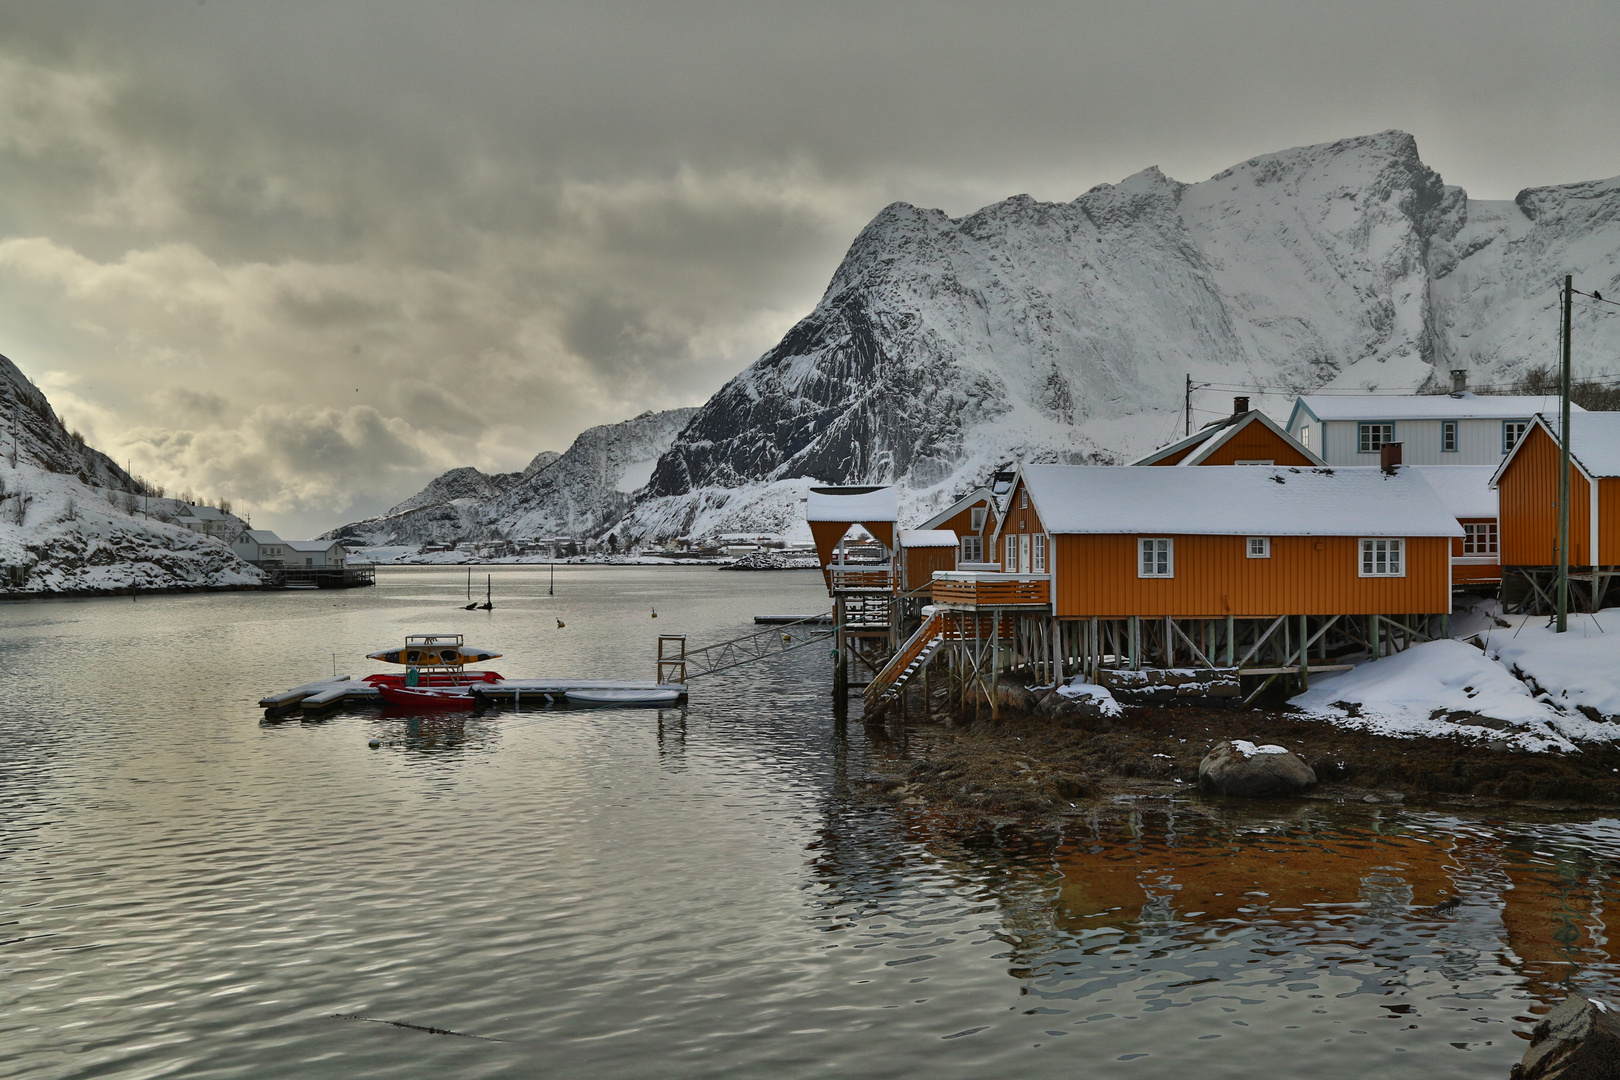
<point>434,677</point>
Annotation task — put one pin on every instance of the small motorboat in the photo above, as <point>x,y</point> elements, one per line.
<point>660,696</point>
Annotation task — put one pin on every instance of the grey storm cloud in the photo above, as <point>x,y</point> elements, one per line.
<point>307,255</point>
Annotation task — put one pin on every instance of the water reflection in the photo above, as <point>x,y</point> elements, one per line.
<point>439,734</point>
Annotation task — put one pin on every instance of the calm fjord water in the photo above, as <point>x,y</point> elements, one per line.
<point>188,890</point>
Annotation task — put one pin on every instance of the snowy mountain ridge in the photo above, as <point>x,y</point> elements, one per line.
<point>944,347</point>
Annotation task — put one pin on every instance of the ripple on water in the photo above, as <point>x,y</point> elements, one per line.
<point>186,890</point>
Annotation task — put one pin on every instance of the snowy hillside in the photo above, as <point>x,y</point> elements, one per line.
<point>69,520</point>
<point>580,493</point>
<point>1063,332</point>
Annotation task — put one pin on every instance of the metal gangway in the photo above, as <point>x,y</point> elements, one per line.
<point>748,649</point>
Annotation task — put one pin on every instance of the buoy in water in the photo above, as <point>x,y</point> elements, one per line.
<point>374,743</point>
<point>655,613</point>
<point>561,624</point>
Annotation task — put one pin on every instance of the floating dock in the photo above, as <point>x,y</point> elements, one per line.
<point>318,697</point>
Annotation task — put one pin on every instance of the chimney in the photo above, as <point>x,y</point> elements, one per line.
<point>1459,380</point>
<point>1389,456</point>
<point>1240,405</point>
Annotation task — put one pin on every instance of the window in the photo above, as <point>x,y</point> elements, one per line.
<point>1259,547</point>
<point>1512,432</point>
<point>1305,436</point>
<point>1023,500</point>
<point>1012,555</point>
<point>978,514</point>
<point>1038,563</point>
<point>973,549</point>
<point>1479,538</point>
<point>1158,557</point>
<point>1372,437</point>
<point>1448,436</point>
<point>1382,558</point>
<point>1255,461</point>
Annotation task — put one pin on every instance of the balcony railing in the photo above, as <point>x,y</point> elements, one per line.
<point>978,589</point>
<point>860,577</point>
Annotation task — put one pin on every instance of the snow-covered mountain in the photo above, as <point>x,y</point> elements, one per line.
<point>581,493</point>
<point>71,520</point>
<point>1065,331</point>
<point>944,346</point>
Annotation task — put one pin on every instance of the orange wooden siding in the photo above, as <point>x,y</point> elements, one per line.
<point>1256,442</point>
<point>1609,521</point>
<point>1474,573</point>
<point>922,562</point>
<point>1529,506</point>
<point>1097,576</point>
<point>1020,520</point>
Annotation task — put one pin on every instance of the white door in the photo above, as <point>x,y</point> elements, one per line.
<point>1023,553</point>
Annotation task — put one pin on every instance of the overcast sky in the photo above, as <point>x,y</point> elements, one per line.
<point>306,256</point>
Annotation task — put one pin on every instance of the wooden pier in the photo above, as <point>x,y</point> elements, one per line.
<point>313,699</point>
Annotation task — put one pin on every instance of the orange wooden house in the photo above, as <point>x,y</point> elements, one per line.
<point>1247,437</point>
<point>972,519</point>
<point>1527,486</point>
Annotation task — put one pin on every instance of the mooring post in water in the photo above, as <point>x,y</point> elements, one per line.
<point>840,648</point>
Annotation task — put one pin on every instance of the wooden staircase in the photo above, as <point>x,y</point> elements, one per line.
<point>909,659</point>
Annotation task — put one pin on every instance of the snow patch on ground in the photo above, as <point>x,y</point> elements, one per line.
<point>1450,689</point>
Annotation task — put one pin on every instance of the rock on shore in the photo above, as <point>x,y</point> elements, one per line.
<point>1579,1040</point>
<point>1239,767</point>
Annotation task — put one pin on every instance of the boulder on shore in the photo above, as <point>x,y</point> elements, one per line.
<point>1579,1040</point>
<point>1239,767</point>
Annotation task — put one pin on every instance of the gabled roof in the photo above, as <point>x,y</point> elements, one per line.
<point>312,545</point>
<point>1422,406</point>
<point>261,536</point>
<point>202,513</point>
<point>980,494</point>
<point>1212,437</point>
<point>1238,500</point>
<point>1594,442</point>
<point>1465,489</point>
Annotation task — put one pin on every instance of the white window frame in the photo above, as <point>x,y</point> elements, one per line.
<point>977,515</point>
<point>1512,432</point>
<point>1155,557</point>
<point>1480,538</point>
<point>1010,564</point>
<point>973,549</point>
<point>1038,554</point>
<point>1305,436</point>
<point>1366,430</point>
<point>1023,499</point>
<point>1258,547</point>
<point>1381,556</point>
<point>1448,436</point>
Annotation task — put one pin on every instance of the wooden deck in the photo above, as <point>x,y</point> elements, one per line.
<point>975,589</point>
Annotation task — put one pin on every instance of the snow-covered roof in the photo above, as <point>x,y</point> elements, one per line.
<point>1424,406</point>
<point>927,538</point>
<point>1465,489</point>
<point>202,513</point>
<point>852,504</point>
<point>1594,442</point>
<point>1238,500</point>
<point>1212,436</point>
<point>981,494</point>
<point>261,536</point>
<point>312,545</point>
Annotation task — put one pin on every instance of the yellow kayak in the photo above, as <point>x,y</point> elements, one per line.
<point>434,650</point>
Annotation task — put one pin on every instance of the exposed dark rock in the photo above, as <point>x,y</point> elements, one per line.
<point>1579,1040</point>
<point>1237,767</point>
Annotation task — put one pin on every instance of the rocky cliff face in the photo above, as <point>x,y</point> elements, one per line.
<point>71,521</point>
<point>581,493</point>
<point>1064,331</point>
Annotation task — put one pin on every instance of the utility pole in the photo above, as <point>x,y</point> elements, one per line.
<point>1187,405</point>
<point>1563,471</point>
